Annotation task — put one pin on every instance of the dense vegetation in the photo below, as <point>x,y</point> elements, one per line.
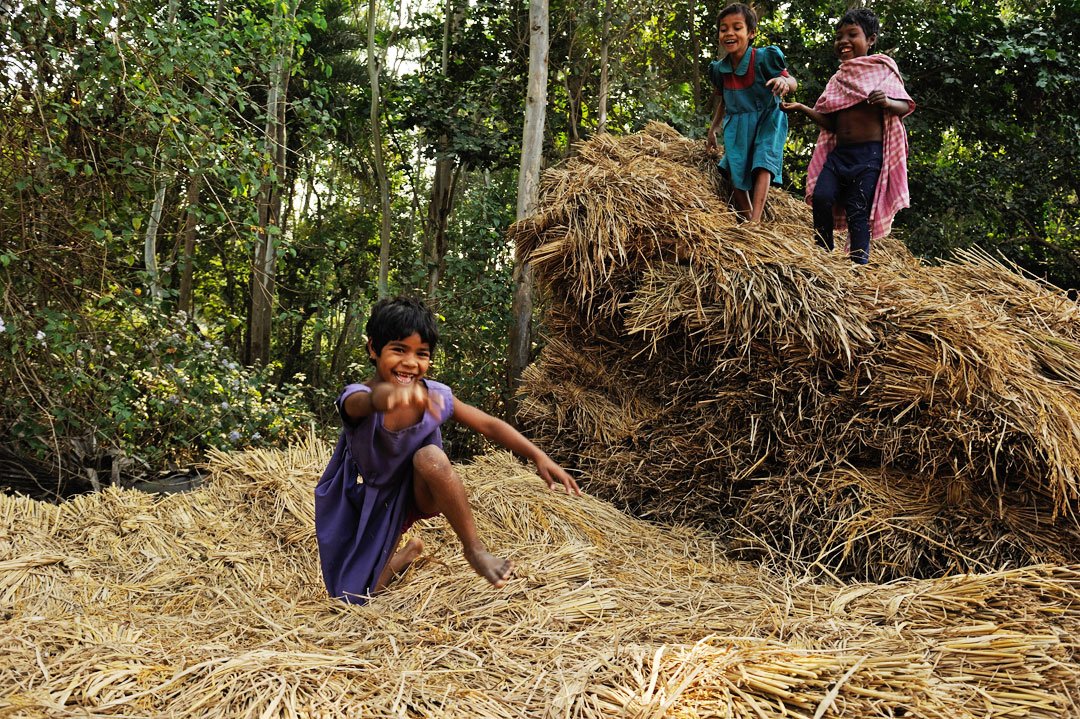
<point>190,209</point>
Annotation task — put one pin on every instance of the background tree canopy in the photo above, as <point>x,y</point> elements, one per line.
<point>190,213</point>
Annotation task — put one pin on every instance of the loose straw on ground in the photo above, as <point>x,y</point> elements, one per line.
<point>209,604</point>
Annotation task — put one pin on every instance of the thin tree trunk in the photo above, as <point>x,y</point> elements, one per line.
<point>186,301</point>
<point>150,239</point>
<point>532,145</point>
<point>264,260</point>
<point>573,110</point>
<point>377,151</point>
<point>605,45</point>
<point>695,56</point>
<point>573,95</point>
<point>436,244</point>
<point>439,215</point>
<point>344,341</point>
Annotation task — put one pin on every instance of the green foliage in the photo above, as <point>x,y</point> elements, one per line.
<point>152,385</point>
<point>474,305</point>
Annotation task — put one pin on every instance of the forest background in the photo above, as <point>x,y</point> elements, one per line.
<point>201,200</point>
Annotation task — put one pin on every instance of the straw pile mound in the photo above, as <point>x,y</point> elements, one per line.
<point>209,604</point>
<point>897,420</point>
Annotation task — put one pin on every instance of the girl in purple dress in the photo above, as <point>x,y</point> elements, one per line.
<point>389,468</point>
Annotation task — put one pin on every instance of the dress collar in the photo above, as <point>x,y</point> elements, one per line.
<point>744,64</point>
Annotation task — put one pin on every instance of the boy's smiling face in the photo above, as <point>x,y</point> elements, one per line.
<point>402,362</point>
<point>851,41</point>
<point>734,36</point>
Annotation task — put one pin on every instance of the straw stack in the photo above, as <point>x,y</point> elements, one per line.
<point>209,604</point>
<point>736,377</point>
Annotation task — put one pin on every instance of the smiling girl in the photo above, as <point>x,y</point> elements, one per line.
<point>389,469</point>
<point>748,83</point>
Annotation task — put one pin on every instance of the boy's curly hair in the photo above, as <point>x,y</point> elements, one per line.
<point>738,8</point>
<point>865,18</point>
<point>396,319</point>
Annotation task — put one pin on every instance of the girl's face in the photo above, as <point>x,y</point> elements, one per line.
<point>403,361</point>
<point>735,37</point>
<point>851,42</point>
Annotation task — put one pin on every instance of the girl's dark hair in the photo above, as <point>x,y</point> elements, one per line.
<point>396,319</point>
<point>738,8</point>
<point>865,18</point>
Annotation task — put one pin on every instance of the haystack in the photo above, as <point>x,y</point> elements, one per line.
<point>209,604</point>
<point>737,377</point>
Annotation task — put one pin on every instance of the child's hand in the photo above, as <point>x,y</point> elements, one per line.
<point>779,86</point>
<point>549,471</point>
<point>710,142</point>
<point>793,107</point>
<point>412,395</point>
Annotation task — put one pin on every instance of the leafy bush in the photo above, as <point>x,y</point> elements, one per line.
<point>134,379</point>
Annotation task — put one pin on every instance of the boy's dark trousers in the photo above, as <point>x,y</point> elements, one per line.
<point>849,176</point>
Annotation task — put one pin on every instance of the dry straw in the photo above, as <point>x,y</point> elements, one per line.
<point>209,604</point>
<point>737,377</point>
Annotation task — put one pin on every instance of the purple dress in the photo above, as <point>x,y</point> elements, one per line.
<point>364,499</point>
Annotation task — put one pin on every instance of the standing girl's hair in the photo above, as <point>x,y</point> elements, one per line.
<point>738,8</point>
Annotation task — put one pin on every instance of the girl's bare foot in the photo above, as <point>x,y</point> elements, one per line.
<point>494,569</point>
<point>400,562</point>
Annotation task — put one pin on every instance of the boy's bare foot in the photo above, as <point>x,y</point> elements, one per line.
<point>494,569</point>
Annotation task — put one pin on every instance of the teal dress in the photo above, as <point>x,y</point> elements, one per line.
<point>755,128</point>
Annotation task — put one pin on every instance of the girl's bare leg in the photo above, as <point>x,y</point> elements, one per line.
<point>759,192</point>
<point>399,562</point>
<point>438,489</point>
<point>741,200</point>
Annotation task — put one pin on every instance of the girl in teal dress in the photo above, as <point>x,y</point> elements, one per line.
<point>749,83</point>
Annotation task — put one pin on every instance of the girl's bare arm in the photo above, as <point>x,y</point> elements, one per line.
<point>384,397</point>
<point>717,120</point>
<point>825,122</point>
<point>506,436</point>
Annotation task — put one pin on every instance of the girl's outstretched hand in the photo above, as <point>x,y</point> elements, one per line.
<point>793,107</point>
<point>551,472</point>
<point>412,395</point>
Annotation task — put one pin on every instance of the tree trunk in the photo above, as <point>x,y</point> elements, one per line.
<point>186,301</point>
<point>695,56</point>
<point>532,145</point>
<point>150,240</point>
<point>377,152</point>
<point>264,259</point>
<point>573,110</point>
<point>442,193</point>
<point>605,46</point>
<point>344,341</point>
